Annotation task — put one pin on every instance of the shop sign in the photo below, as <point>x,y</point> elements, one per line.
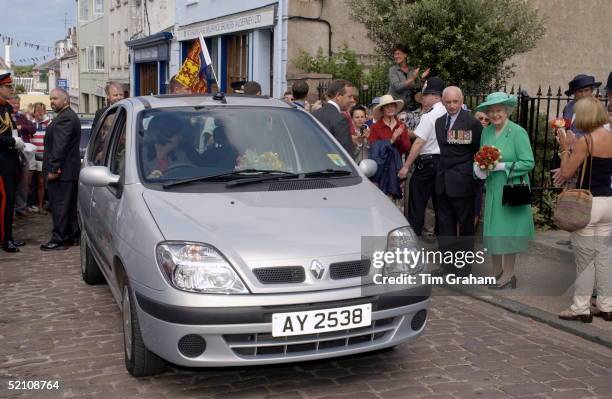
<point>155,53</point>
<point>255,19</point>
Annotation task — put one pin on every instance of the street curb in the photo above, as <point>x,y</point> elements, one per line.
<point>580,329</point>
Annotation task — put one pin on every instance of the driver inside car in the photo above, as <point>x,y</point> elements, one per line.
<point>163,151</point>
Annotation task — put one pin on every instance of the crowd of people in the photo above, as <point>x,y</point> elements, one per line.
<point>39,166</point>
<point>423,139</point>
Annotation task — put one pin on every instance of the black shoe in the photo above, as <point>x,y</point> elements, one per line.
<point>10,247</point>
<point>21,214</point>
<point>53,246</point>
<point>18,243</point>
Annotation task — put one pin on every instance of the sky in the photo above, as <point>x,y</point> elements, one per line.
<point>35,21</point>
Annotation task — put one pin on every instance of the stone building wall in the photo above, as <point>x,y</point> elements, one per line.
<point>577,40</point>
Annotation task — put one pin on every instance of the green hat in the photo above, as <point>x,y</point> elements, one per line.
<point>499,97</point>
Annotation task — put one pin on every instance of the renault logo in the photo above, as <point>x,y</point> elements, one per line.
<point>317,269</point>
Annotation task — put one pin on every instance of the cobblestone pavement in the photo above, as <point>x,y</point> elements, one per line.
<point>52,325</point>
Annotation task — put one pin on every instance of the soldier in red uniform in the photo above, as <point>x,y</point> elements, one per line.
<point>10,167</point>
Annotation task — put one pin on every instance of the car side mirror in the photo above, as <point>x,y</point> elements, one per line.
<point>98,176</point>
<point>368,167</point>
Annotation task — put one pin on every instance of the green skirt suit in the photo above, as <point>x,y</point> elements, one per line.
<point>507,229</point>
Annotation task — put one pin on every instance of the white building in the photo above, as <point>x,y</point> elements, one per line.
<point>92,54</point>
<point>123,20</point>
<point>149,46</point>
<point>247,39</point>
<point>5,63</point>
<point>69,70</point>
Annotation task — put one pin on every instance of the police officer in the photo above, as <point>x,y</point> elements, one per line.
<point>425,155</point>
<point>458,135</point>
<point>10,167</point>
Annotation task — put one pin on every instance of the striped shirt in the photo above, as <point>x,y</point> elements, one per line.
<point>39,137</point>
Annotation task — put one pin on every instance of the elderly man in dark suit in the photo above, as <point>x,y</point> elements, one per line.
<point>340,94</point>
<point>61,165</point>
<point>458,134</point>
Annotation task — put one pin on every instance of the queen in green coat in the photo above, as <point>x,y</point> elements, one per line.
<point>507,229</point>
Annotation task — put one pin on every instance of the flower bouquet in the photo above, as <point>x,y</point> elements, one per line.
<point>264,161</point>
<point>487,157</point>
<point>560,125</point>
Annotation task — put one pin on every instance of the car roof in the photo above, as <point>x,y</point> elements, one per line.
<point>195,100</point>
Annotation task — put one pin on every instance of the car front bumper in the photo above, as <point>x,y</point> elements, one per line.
<point>238,336</point>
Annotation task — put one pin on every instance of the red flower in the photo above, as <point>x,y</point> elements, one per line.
<point>487,157</point>
<point>560,123</point>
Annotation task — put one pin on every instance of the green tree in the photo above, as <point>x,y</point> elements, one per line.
<point>20,89</point>
<point>341,65</point>
<point>23,70</point>
<point>466,42</point>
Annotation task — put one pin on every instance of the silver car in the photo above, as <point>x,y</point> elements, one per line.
<point>231,231</point>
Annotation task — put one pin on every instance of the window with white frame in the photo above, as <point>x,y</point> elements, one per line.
<point>119,50</point>
<point>113,54</point>
<point>91,65</point>
<point>99,58</point>
<point>83,61</point>
<point>98,7</point>
<point>126,52</point>
<point>83,10</point>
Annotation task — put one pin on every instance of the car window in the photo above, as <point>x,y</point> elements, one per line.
<point>176,143</point>
<point>97,151</point>
<point>117,158</point>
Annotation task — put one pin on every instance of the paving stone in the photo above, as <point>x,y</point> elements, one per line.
<point>54,325</point>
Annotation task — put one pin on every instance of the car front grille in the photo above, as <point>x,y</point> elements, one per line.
<point>261,345</point>
<point>280,275</point>
<point>341,270</point>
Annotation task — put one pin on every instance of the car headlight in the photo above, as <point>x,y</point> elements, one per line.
<point>198,268</point>
<point>407,260</point>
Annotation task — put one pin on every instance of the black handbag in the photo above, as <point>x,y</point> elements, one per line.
<point>516,194</point>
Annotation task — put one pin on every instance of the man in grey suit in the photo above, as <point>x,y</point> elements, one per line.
<point>340,94</point>
<point>61,166</point>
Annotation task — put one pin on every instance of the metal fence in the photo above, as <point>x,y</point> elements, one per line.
<point>533,113</point>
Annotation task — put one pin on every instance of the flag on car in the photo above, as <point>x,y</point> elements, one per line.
<point>193,73</point>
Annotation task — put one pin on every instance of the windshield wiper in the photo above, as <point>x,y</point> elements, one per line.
<point>235,174</point>
<point>328,172</point>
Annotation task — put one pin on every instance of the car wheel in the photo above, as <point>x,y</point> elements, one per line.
<point>90,271</point>
<point>139,361</point>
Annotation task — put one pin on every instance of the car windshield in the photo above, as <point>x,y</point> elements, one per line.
<point>187,143</point>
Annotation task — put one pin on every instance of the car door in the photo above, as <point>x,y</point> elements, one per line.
<point>104,200</point>
<point>95,156</point>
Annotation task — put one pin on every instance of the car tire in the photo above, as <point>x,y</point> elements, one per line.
<point>139,361</point>
<point>90,271</point>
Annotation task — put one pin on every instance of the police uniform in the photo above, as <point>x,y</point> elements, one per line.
<point>238,86</point>
<point>458,138</point>
<point>10,168</point>
<point>422,182</point>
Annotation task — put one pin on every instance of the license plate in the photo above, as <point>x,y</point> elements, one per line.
<point>324,320</point>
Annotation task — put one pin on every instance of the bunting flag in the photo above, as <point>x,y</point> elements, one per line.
<point>11,41</point>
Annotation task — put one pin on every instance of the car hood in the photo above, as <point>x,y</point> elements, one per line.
<point>263,226</point>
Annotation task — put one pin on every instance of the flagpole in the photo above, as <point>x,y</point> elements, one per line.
<point>208,60</point>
